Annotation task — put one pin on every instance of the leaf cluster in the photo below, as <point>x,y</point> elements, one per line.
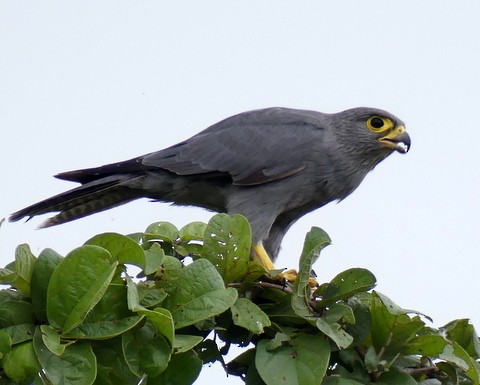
<point>82,319</point>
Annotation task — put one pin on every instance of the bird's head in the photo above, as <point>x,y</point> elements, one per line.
<point>372,130</point>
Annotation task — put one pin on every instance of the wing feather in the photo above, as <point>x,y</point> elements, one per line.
<point>253,148</point>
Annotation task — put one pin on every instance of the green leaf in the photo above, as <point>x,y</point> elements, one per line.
<point>227,245</point>
<point>448,354</point>
<point>339,312</point>
<point>7,275</point>
<point>51,339</point>
<point>436,346</point>
<point>138,237</point>
<point>20,363</point>
<point>200,295</point>
<point>153,258</point>
<point>243,361</point>
<point>104,329</point>
<point>249,316</point>
<point>254,272</point>
<point>463,333</point>
<point>204,306</point>
<point>133,299</point>
<point>162,320</point>
<point>24,261</point>
<point>87,302</point>
<point>372,362</point>
<point>11,294</point>
<point>391,332</point>
<point>20,333</point>
<point>113,304</point>
<point>394,309</point>
<point>192,231</point>
<point>448,372</point>
<point>169,278</point>
<point>5,343</point>
<point>76,366</point>
<point>191,240</point>
<point>112,368</point>
<point>150,296</point>
<point>457,356</point>
<point>185,342</point>
<point>341,338</point>
<point>315,241</point>
<point>43,268</point>
<point>345,285</point>
<point>363,322</point>
<point>164,231</point>
<point>337,380</point>
<point>304,362</point>
<point>395,377</point>
<point>77,284</point>
<point>22,268</point>
<point>183,369</point>
<point>15,312</point>
<point>279,340</point>
<point>109,317</point>
<point>123,249</point>
<point>426,345</point>
<point>209,352</point>
<point>145,351</point>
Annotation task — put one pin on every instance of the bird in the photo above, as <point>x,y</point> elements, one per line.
<point>271,165</point>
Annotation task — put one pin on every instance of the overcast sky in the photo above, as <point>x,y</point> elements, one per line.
<point>88,83</point>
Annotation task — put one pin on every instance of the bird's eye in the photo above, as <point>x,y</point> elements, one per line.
<point>378,124</point>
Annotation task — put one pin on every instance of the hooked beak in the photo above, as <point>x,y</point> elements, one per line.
<point>397,140</point>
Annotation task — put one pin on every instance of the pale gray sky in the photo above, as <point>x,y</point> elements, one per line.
<point>88,83</point>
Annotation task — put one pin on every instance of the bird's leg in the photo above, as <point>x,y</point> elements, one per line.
<point>261,256</point>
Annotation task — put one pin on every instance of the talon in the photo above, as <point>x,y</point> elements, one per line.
<point>291,276</point>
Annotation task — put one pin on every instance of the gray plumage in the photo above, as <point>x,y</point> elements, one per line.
<point>272,165</point>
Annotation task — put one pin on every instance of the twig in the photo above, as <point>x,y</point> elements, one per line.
<point>266,285</point>
<point>420,371</point>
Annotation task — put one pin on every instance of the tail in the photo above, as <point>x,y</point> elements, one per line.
<point>90,198</point>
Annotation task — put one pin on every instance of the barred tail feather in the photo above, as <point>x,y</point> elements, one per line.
<point>80,202</point>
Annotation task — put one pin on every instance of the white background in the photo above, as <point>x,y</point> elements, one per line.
<point>93,82</point>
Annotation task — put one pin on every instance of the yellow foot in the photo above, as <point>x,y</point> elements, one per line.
<point>291,276</point>
<point>261,256</point>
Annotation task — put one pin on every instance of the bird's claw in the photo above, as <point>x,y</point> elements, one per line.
<point>291,276</point>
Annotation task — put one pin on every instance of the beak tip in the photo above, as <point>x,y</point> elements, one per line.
<point>403,143</point>
<point>402,148</point>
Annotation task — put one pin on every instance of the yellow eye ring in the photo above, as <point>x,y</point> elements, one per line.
<point>379,124</point>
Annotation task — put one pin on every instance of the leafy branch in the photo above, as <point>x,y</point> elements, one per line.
<point>81,319</point>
